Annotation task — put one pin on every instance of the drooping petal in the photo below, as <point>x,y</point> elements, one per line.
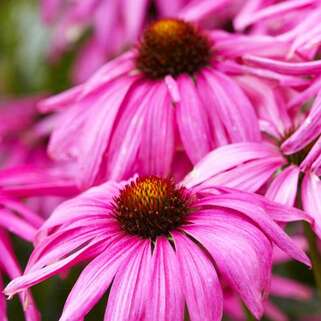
<point>192,121</point>
<point>166,298</point>
<point>288,68</point>
<point>124,146</point>
<point>127,300</point>
<point>96,278</point>
<point>98,129</point>
<point>158,142</point>
<point>227,243</point>
<point>233,107</point>
<point>311,201</point>
<point>227,157</point>
<point>201,286</point>
<point>288,288</point>
<point>263,220</point>
<point>284,187</point>
<point>249,177</point>
<point>25,281</point>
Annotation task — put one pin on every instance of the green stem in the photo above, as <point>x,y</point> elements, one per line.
<point>314,255</point>
<point>249,316</point>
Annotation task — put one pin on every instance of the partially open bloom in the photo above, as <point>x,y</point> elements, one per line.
<point>286,167</point>
<point>171,244</point>
<point>165,95</point>
<point>21,221</point>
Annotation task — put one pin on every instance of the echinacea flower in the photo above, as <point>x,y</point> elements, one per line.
<point>21,221</point>
<point>163,96</point>
<point>285,167</point>
<point>160,245</point>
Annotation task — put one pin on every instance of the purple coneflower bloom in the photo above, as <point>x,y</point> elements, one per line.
<point>170,243</point>
<point>286,167</point>
<point>163,96</point>
<point>21,221</point>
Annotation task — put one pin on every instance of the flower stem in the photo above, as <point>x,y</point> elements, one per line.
<point>249,316</point>
<point>314,255</point>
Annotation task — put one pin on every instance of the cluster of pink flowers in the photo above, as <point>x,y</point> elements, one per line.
<point>172,168</point>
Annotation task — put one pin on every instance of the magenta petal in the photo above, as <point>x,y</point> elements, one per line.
<point>307,132</point>
<point>123,149</point>
<point>166,298</point>
<point>284,187</point>
<point>98,129</point>
<point>263,220</point>
<point>311,191</point>
<point>228,243</point>
<point>249,177</point>
<point>158,142</point>
<point>233,107</point>
<point>288,68</point>
<point>96,278</point>
<point>192,121</point>
<point>25,281</point>
<point>201,286</point>
<point>127,300</point>
<point>227,157</point>
<point>284,287</point>
<point>14,224</point>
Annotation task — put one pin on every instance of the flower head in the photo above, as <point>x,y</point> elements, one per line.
<point>164,98</point>
<point>285,167</point>
<point>172,245</point>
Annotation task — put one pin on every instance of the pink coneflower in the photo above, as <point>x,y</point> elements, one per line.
<point>170,243</point>
<point>287,167</point>
<point>163,96</point>
<point>21,221</point>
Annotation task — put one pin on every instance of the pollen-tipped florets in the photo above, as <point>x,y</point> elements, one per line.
<point>172,47</point>
<point>152,206</point>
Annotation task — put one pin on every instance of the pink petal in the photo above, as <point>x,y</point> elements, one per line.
<point>284,187</point>
<point>158,142</point>
<point>227,243</point>
<point>233,107</point>
<point>307,132</point>
<point>127,300</point>
<point>25,281</point>
<point>311,201</point>
<point>123,149</point>
<point>227,157</point>
<point>201,286</point>
<point>98,129</point>
<point>288,68</point>
<point>192,121</point>
<point>284,287</point>
<point>166,302</point>
<point>262,219</point>
<point>96,278</point>
<point>249,177</point>
<point>16,225</point>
